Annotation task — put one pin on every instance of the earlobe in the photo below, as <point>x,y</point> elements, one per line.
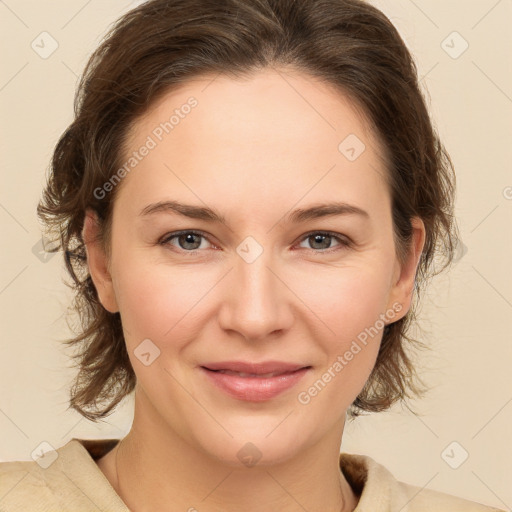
<point>405,282</point>
<point>97,262</point>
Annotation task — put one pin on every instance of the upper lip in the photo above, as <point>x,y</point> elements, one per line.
<point>255,368</point>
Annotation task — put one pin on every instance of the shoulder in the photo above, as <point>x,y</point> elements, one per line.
<point>63,479</point>
<point>25,483</point>
<point>379,491</point>
<point>423,500</point>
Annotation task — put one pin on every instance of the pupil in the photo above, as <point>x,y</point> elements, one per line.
<point>188,239</point>
<point>319,239</point>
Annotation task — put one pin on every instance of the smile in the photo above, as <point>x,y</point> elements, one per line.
<point>254,382</point>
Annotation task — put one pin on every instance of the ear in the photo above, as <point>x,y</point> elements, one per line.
<point>98,263</point>
<point>405,273</point>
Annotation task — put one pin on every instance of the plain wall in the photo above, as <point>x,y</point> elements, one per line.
<point>466,316</point>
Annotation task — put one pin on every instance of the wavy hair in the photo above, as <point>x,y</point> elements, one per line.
<point>162,44</point>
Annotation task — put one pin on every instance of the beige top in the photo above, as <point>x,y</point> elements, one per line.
<point>73,482</point>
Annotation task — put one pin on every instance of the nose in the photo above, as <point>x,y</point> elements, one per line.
<point>257,302</point>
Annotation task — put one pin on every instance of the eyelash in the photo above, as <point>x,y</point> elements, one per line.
<point>343,242</point>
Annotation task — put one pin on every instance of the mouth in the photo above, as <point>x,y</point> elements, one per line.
<point>259,369</point>
<point>245,374</point>
<point>255,382</point>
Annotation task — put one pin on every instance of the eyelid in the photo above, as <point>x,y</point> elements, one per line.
<point>173,234</point>
<point>343,240</point>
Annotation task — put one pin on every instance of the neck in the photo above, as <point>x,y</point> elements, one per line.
<point>162,471</point>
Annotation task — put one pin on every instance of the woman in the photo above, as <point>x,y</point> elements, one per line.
<point>248,197</point>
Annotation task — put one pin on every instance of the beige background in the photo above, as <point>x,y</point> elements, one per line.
<point>466,317</point>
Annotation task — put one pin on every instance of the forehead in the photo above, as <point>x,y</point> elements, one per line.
<point>265,102</point>
<point>275,131</point>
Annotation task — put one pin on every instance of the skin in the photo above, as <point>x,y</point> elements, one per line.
<point>253,150</point>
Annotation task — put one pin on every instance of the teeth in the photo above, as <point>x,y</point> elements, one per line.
<point>243,374</point>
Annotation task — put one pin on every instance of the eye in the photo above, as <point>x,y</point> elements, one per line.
<point>185,240</point>
<point>189,241</point>
<point>322,241</point>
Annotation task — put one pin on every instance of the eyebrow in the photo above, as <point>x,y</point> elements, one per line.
<point>315,211</point>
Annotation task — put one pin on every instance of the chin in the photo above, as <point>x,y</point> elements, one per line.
<point>242,452</point>
<point>254,441</point>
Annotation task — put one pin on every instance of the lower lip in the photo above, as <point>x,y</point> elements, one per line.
<point>254,389</point>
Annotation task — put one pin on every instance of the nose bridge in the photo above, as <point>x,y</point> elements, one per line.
<point>258,303</point>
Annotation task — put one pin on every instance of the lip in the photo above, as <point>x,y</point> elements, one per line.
<point>255,368</point>
<point>259,381</point>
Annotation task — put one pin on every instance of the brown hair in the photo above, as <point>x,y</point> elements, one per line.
<point>163,43</point>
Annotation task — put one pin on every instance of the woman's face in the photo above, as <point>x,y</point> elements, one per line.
<point>286,256</point>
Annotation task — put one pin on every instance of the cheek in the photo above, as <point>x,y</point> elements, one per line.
<point>158,301</point>
<point>352,306</point>
<point>346,300</point>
